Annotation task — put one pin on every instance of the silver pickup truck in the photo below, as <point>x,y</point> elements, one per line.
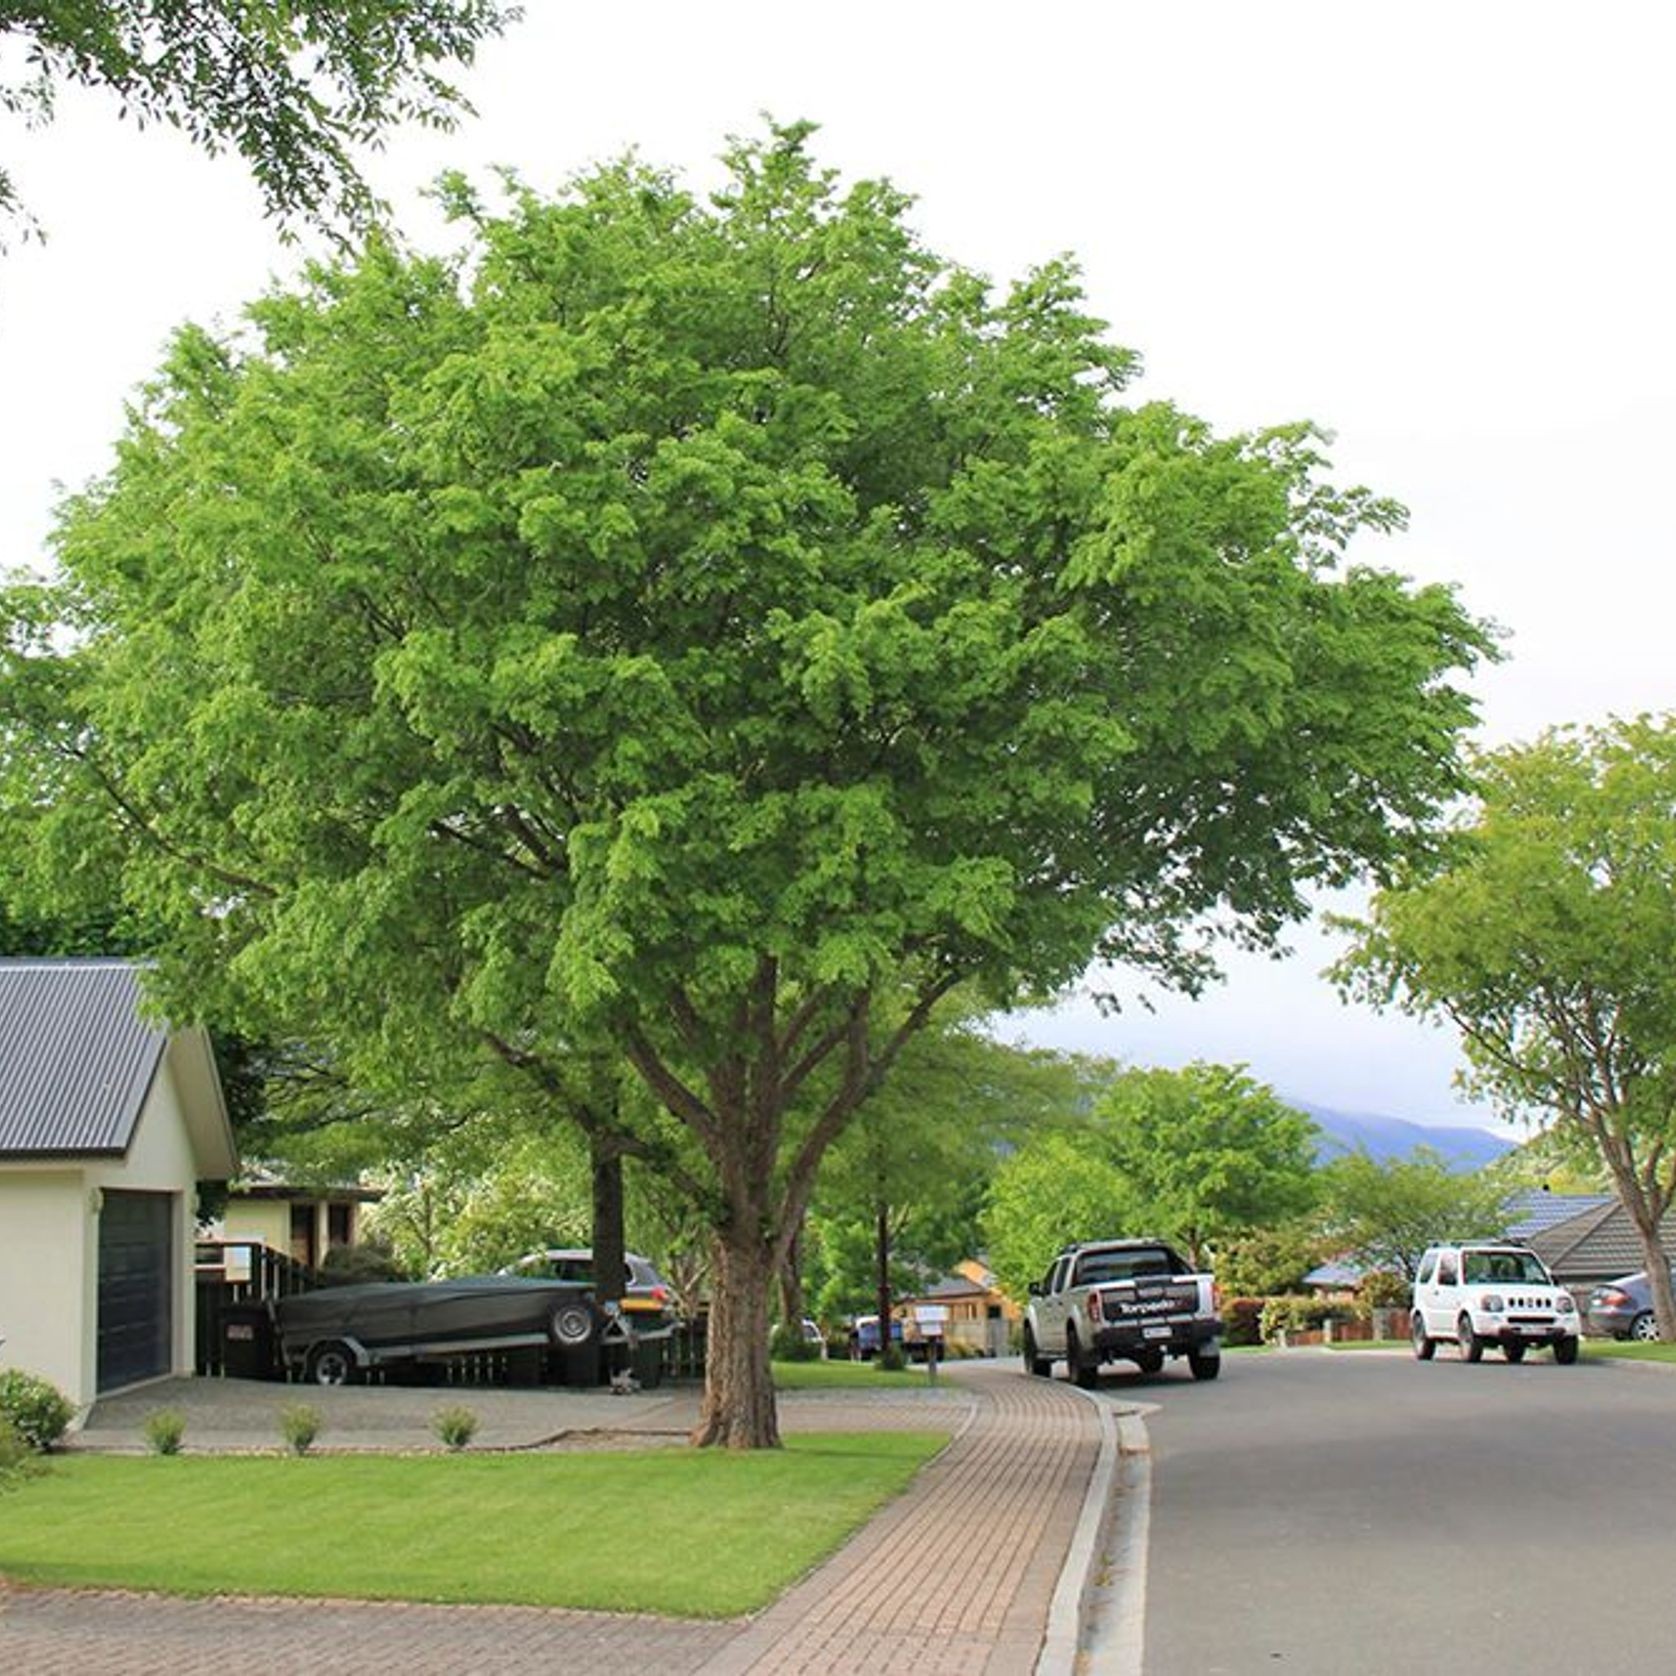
<point>1122,1300</point>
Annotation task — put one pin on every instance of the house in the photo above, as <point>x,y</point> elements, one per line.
<point>304,1222</point>
<point>980,1315</point>
<point>1530,1212</point>
<point>108,1122</point>
<point>1600,1244</point>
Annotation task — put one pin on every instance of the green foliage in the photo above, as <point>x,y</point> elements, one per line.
<point>787,1344</point>
<point>299,1426</point>
<point>1271,1260</point>
<point>296,90</point>
<point>1058,1187</point>
<point>1384,1289</point>
<point>709,631</point>
<point>1300,1315</point>
<point>35,1409</point>
<point>1210,1153</point>
<point>17,1459</point>
<point>164,1429</point>
<point>1386,1213</point>
<point>353,1265</point>
<point>455,1426</point>
<point>1549,941</point>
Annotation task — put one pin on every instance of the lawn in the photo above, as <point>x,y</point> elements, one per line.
<point>691,1533</point>
<point>842,1375</point>
<point>1636,1352</point>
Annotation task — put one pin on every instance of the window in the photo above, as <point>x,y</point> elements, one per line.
<point>1427,1264</point>
<point>337,1226</point>
<point>1447,1273</point>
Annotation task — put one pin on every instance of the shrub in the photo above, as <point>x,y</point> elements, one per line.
<point>351,1265</point>
<point>34,1408</point>
<point>299,1426</point>
<point>1242,1320</point>
<point>164,1428</point>
<point>17,1459</point>
<point>1302,1315</point>
<point>787,1344</point>
<point>1384,1289</point>
<point>891,1359</point>
<point>455,1425</point>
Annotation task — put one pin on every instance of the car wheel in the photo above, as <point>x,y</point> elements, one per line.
<point>1472,1346</point>
<point>572,1324</point>
<point>1150,1361</point>
<point>1565,1351</point>
<point>331,1363</point>
<point>1644,1327</point>
<point>1085,1373</point>
<point>1513,1351</point>
<point>1424,1343</point>
<point>1034,1363</point>
<point>1204,1366</point>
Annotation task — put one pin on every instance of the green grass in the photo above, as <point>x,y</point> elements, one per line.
<point>856,1376</point>
<point>691,1533</point>
<point>1372,1344</point>
<point>1654,1352</point>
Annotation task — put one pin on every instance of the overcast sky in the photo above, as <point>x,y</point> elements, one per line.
<point>1442,231</point>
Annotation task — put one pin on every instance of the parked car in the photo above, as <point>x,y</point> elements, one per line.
<point>645,1291</point>
<point>1491,1294</point>
<point>335,1333</point>
<point>1623,1308</point>
<point>864,1337</point>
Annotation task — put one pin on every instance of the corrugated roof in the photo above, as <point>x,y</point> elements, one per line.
<point>76,1059</point>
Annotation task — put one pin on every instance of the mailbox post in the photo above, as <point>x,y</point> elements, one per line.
<point>929,1318</point>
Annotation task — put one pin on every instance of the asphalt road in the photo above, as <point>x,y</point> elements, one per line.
<point>1364,1514</point>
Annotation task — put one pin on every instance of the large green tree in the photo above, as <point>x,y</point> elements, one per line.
<point>720,628</point>
<point>1550,943</point>
<point>293,86</point>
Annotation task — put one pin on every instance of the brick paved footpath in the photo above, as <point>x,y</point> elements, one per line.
<point>954,1578</point>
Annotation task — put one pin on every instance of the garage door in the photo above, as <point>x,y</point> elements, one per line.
<point>136,1273</point>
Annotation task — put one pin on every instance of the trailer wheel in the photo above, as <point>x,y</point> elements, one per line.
<point>331,1363</point>
<point>573,1324</point>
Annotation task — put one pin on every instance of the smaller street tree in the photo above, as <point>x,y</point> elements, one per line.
<point>1386,1212</point>
<point>1210,1152</point>
<point>1549,941</point>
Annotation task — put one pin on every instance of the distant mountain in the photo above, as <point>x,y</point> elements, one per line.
<point>1395,1137</point>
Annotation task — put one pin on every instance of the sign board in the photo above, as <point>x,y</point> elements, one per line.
<point>929,1318</point>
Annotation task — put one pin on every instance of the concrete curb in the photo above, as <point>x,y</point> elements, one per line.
<point>1058,1656</point>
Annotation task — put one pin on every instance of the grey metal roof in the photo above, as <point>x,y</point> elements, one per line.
<point>76,1058</point>
<point>1535,1209</point>
<point>1600,1244</point>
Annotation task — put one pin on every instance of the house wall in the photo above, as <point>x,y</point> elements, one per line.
<point>265,1220</point>
<point>44,1263</point>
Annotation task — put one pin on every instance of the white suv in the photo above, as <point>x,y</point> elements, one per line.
<point>1491,1294</point>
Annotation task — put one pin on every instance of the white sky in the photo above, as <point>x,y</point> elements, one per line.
<point>1443,231</point>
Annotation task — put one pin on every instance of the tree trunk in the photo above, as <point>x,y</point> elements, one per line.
<point>1658,1277</point>
<point>609,1259</point>
<point>792,1305</point>
<point>738,1410</point>
<point>882,1237</point>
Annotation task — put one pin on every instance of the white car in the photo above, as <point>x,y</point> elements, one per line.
<point>1489,1293</point>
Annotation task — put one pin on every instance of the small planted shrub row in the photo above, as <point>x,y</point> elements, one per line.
<point>34,1408</point>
